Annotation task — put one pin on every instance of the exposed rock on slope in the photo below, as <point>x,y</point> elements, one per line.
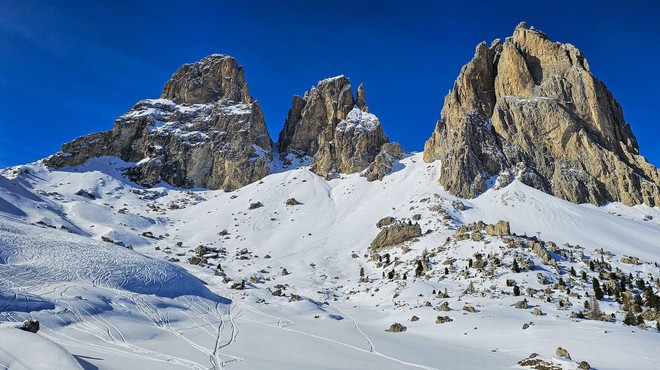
<point>396,233</point>
<point>530,109</point>
<point>384,161</point>
<point>334,128</point>
<point>205,131</point>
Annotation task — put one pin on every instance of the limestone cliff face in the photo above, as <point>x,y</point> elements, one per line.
<point>530,109</point>
<point>205,131</point>
<point>334,128</point>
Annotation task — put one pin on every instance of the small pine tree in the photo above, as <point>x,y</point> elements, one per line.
<point>623,283</point>
<point>640,284</point>
<point>470,263</point>
<point>573,273</point>
<point>584,275</point>
<point>591,265</point>
<point>652,299</point>
<point>516,290</point>
<point>419,270</point>
<point>630,318</point>
<point>598,292</point>
<point>446,271</point>
<point>637,303</point>
<point>515,267</point>
<point>594,311</point>
<point>361,271</point>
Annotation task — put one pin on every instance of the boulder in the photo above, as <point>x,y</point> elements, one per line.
<point>444,306</point>
<point>396,328</point>
<point>395,234</point>
<point>30,325</point>
<point>385,221</point>
<point>562,353</point>
<point>501,228</point>
<point>292,202</point>
<point>443,319</point>
<point>522,304</point>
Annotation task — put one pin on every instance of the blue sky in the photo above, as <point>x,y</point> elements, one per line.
<point>68,68</point>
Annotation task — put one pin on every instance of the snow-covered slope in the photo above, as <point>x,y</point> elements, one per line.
<point>274,283</point>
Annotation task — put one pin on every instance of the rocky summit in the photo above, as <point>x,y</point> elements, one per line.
<point>205,131</point>
<point>530,109</point>
<point>335,129</point>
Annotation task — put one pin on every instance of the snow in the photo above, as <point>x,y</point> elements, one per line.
<point>22,350</point>
<point>359,121</point>
<point>329,79</point>
<point>112,307</point>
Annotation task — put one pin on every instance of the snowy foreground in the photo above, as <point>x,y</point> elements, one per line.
<point>65,261</point>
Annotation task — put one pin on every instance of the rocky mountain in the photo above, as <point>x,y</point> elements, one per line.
<point>529,108</point>
<point>333,127</point>
<point>205,131</point>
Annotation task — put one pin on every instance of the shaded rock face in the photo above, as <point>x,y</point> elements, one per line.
<point>334,128</point>
<point>384,161</point>
<point>205,131</point>
<point>530,109</point>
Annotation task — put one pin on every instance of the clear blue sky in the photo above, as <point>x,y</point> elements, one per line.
<point>68,68</point>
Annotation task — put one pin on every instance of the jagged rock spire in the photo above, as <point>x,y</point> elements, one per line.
<point>333,127</point>
<point>530,108</point>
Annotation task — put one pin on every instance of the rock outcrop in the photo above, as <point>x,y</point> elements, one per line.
<point>205,131</point>
<point>396,233</point>
<point>530,109</point>
<point>384,161</point>
<point>335,129</point>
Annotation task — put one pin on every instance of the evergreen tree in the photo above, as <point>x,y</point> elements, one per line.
<point>652,299</point>
<point>594,311</point>
<point>623,283</point>
<point>598,292</point>
<point>637,303</point>
<point>515,267</point>
<point>630,318</point>
<point>640,284</point>
<point>516,290</point>
<point>573,273</point>
<point>419,270</point>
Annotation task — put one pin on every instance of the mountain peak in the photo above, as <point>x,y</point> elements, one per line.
<point>530,108</point>
<point>205,131</point>
<point>333,127</point>
<point>214,77</point>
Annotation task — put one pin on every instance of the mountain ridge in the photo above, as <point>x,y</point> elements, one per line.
<point>526,108</point>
